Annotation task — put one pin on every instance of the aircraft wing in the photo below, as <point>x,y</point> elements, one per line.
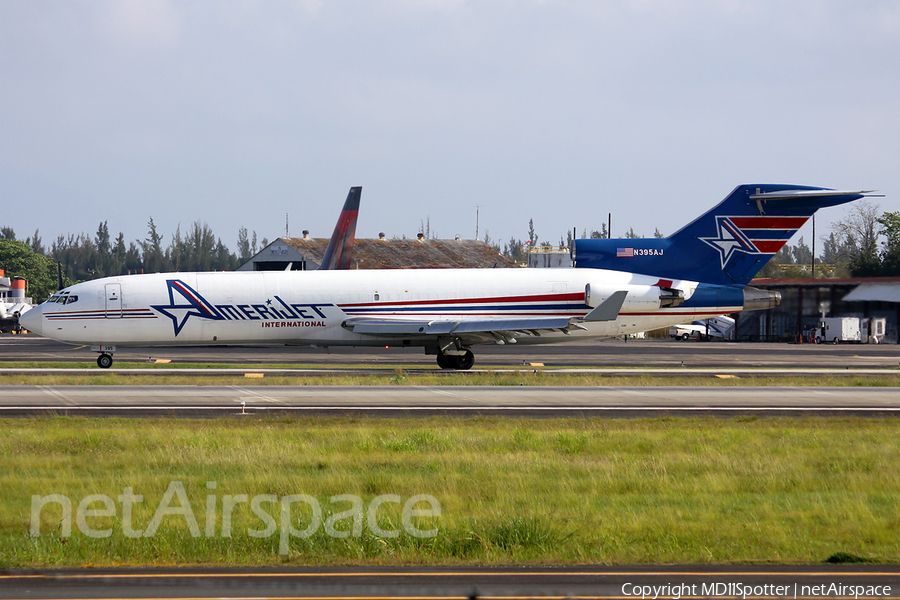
<point>499,329</point>
<point>384,326</point>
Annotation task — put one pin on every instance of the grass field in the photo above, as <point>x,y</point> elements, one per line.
<point>521,491</point>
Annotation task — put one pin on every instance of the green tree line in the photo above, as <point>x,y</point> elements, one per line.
<point>82,257</point>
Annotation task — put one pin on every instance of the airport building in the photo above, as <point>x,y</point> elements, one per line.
<point>305,254</point>
<point>805,301</point>
<point>548,257</point>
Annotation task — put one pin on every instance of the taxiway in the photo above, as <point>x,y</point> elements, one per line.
<point>384,583</point>
<point>598,353</point>
<point>423,401</point>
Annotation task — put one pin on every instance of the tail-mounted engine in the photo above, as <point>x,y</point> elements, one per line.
<point>640,297</point>
<point>670,297</point>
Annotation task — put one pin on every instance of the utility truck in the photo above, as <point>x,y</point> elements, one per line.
<point>850,329</point>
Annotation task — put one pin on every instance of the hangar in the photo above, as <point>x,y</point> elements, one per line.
<point>805,300</point>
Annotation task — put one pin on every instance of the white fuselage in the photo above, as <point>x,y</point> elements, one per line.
<point>310,307</point>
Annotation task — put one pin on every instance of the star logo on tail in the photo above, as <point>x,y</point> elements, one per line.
<point>730,240</point>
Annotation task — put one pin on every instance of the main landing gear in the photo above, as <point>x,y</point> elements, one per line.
<point>461,362</point>
<point>104,361</point>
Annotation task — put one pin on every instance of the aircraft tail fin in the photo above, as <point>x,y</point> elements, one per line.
<point>340,248</point>
<point>728,245</point>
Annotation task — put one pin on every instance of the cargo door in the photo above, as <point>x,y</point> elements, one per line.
<point>113,300</point>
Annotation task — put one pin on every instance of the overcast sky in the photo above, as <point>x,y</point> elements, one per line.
<point>235,113</point>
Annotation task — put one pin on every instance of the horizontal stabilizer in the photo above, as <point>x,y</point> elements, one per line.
<point>820,193</point>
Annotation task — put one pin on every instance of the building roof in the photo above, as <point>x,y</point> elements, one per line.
<point>865,289</point>
<point>410,254</point>
<point>875,292</point>
<point>821,281</point>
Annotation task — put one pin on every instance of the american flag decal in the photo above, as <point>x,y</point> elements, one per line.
<point>624,252</point>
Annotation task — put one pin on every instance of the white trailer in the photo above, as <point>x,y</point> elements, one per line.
<point>850,329</point>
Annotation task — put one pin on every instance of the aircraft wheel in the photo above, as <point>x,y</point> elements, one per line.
<point>462,362</point>
<point>104,361</point>
<point>444,361</point>
<point>466,361</point>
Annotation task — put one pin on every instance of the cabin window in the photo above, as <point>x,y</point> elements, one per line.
<point>376,296</point>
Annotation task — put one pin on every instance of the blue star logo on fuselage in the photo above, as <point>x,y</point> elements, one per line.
<point>730,240</point>
<point>189,304</point>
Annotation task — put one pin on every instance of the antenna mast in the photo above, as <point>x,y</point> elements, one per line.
<point>477,211</point>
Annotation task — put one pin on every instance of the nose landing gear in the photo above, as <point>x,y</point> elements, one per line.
<point>105,360</point>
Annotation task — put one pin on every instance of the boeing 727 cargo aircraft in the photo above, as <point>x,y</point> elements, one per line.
<point>617,287</point>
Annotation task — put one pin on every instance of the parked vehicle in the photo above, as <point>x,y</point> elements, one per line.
<point>713,328</point>
<point>851,329</point>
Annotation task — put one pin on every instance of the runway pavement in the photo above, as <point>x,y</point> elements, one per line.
<point>647,357</point>
<point>423,401</point>
<point>601,353</point>
<point>370,583</point>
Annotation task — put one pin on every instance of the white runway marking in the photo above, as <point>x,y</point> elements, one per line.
<point>56,394</point>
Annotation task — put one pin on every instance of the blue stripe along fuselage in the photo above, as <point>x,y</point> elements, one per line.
<point>455,308</point>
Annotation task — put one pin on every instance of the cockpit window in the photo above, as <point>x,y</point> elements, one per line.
<point>62,298</point>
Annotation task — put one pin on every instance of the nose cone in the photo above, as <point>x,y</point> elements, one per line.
<point>32,320</point>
